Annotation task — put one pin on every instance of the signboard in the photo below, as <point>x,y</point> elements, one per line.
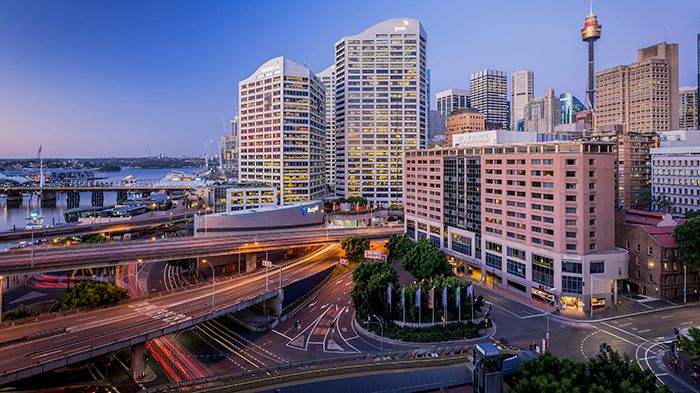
<point>374,254</point>
<point>267,264</point>
<point>343,261</point>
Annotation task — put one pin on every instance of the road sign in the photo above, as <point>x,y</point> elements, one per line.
<point>267,263</point>
<point>374,254</point>
<point>343,261</point>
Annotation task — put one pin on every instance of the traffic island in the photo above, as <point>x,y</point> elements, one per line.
<point>427,334</point>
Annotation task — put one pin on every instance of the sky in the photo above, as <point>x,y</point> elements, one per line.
<point>88,78</point>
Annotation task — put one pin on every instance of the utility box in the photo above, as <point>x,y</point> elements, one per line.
<point>488,369</point>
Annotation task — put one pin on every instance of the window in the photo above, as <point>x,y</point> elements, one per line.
<point>494,261</point>
<point>570,173</point>
<point>627,244</point>
<point>494,247</point>
<point>571,267</point>
<point>638,248</point>
<point>597,267</point>
<point>515,268</point>
<point>571,223</point>
<point>571,198</point>
<point>515,253</point>
<point>572,284</point>
<point>570,210</point>
<point>461,244</point>
<point>543,270</point>
<point>571,235</point>
<point>570,247</point>
<point>650,250</point>
<point>570,162</point>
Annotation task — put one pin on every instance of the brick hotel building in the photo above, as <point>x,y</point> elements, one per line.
<point>535,218</point>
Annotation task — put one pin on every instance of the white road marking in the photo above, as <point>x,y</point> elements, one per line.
<point>687,323</point>
<point>283,335</point>
<point>667,316</point>
<point>625,324</point>
<point>644,331</point>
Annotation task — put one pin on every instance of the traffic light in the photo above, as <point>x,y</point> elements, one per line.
<point>148,356</point>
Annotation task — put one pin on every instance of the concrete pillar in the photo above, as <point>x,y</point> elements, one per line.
<point>251,262</point>
<point>98,198</point>
<point>277,302</point>
<point>138,361</point>
<point>72,199</point>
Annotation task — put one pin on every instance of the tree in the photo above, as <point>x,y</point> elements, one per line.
<point>369,295</point>
<point>89,294</point>
<point>354,247</point>
<point>692,214</point>
<point>687,236</point>
<point>21,312</point>
<point>604,373</point>
<point>691,345</point>
<point>94,238</point>
<point>645,198</point>
<point>662,203</point>
<point>399,245</point>
<point>425,261</point>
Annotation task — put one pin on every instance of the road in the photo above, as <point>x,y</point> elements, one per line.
<point>119,253</point>
<point>92,333</point>
<point>234,350</point>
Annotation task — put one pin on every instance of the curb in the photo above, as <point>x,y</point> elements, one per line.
<point>574,320</point>
<point>387,340</point>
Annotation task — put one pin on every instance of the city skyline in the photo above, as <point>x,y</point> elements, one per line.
<point>113,80</point>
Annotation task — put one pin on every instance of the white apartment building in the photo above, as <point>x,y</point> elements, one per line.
<point>522,91</point>
<point>450,100</point>
<point>675,170</point>
<point>282,133</point>
<point>381,108</point>
<point>543,114</point>
<point>328,78</point>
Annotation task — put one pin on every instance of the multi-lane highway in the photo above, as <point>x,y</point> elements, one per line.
<point>119,253</point>
<point>79,336</point>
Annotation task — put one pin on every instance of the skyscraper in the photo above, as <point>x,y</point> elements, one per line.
<point>688,105</point>
<point>698,65</point>
<point>381,107</point>
<point>543,114</point>
<point>327,76</point>
<point>282,134</point>
<point>487,89</point>
<point>570,106</point>
<point>451,100</point>
<point>228,156</point>
<point>522,87</point>
<point>642,96</point>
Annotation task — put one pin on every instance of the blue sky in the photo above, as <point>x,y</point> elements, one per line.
<point>132,78</point>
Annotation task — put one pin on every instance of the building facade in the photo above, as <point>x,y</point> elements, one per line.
<point>487,89</point>
<point>463,121</point>
<point>522,91</point>
<point>688,106</point>
<point>642,96</point>
<point>570,106</point>
<point>543,114</point>
<point>436,128</point>
<point>675,175</point>
<point>632,166</point>
<point>450,100</point>
<point>537,218</point>
<point>282,130</point>
<point>654,261</point>
<point>381,108</point>
<point>327,76</point>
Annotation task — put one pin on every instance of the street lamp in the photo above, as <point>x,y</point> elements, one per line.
<point>268,264</point>
<point>553,290</point>
<point>213,284</point>
<point>381,326</point>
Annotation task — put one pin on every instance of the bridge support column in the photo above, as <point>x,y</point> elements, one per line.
<point>276,302</point>
<point>122,196</point>
<point>72,199</point>
<point>98,198</point>
<point>251,262</point>
<point>138,361</point>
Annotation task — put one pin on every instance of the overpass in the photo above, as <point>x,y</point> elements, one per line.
<point>57,340</point>
<point>129,252</point>
<point>136,223</point>
<point>99,187</point>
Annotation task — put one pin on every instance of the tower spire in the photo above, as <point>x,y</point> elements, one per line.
<point>590,7</point>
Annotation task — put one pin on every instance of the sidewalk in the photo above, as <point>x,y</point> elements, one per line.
<point>627,306</point>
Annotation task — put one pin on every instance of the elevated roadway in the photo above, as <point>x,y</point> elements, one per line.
<point>129,252</point>
<point>59,340</point>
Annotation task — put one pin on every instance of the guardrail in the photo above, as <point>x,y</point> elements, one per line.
<point>337,366</point>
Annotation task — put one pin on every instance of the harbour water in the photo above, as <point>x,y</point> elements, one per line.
<point>16,217</point>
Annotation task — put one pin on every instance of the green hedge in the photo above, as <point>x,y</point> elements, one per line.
<point>436,333</point>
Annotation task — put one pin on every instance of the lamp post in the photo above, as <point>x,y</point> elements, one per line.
<point>1,277</point>
<point>213,284</point>
<point>553,290</point>
<point>381,327</point>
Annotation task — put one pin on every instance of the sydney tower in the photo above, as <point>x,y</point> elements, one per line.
<point>590,33</point>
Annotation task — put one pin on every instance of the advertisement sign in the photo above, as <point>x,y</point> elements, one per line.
<point>375,255</point>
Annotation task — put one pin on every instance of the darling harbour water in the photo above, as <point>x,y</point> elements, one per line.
<point>16,216</point>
